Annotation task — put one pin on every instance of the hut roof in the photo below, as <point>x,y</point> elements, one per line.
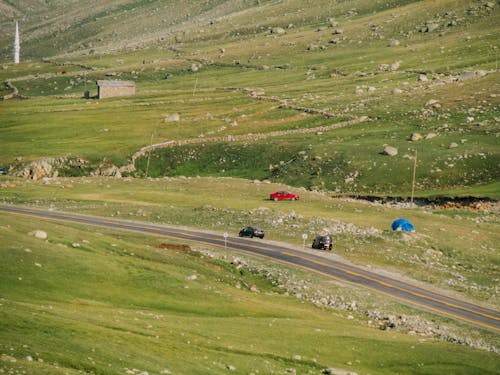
<point>115,83</point>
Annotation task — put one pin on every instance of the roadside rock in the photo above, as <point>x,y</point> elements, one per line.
<point>39,234</point>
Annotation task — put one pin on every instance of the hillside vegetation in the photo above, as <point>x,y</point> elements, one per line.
<point>236,99</point>
<point>85,300</point>
<point>424,73</point>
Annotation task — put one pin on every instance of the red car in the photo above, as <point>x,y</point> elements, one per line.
<point>283,196</point>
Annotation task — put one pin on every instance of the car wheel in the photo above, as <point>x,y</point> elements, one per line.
<point>293,199</point>
<point>275,199</point>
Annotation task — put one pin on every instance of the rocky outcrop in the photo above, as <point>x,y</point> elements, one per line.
<point>50,167</point>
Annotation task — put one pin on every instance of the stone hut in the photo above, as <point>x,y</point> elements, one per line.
<point>111,88</point>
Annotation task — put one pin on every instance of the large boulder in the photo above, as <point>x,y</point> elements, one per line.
<point>39,234</point>
<point>390,151</point>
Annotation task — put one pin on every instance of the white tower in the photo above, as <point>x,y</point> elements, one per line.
<point>17,45</point>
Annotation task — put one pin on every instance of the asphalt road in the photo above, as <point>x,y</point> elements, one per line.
<point>331,267</point>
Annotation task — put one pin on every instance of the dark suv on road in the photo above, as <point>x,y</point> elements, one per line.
<point>251,232</point>
<point>322,243</point>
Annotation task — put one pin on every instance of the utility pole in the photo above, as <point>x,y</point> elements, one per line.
<point>414,176</point>
<point>149,155</point>
<point>195,84</point>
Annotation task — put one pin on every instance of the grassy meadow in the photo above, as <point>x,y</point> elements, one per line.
<point>96,301</point>
<point>222,77</point>
<point>452,249</point>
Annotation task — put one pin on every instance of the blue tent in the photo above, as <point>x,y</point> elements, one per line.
<point>402,224</point>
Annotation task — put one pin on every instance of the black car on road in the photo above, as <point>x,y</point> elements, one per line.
<point>251,232</point>
<point>323,243</point>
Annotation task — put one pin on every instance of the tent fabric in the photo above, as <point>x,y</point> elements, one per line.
<point>402,225</point>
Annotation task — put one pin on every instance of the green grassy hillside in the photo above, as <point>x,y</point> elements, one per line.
<point>238,98</point>
<point>93,301</point>
<point>411,67</point>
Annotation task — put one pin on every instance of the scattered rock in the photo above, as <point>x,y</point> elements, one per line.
<point>453,145</point>
<point>107,170</point>
<point>278,30</point>
<point>39,234</point>
<point>397,91</point>
<point>433,103</point>
<point>332,22</point>
<point>390,151</point>
<point>431,135</point>
<point>430,26</point>
<point>395,65</point>
<point>471,75</point>
<point>422,78</point>
<point>415,137</point>
<point>336,371</point>
<point>191,277</point>
<point>174,117</point>
<point>394,43</point>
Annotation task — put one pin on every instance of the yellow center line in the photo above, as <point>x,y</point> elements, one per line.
<point>394,286</point>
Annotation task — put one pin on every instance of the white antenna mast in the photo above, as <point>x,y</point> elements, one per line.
<point>17,45</point>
